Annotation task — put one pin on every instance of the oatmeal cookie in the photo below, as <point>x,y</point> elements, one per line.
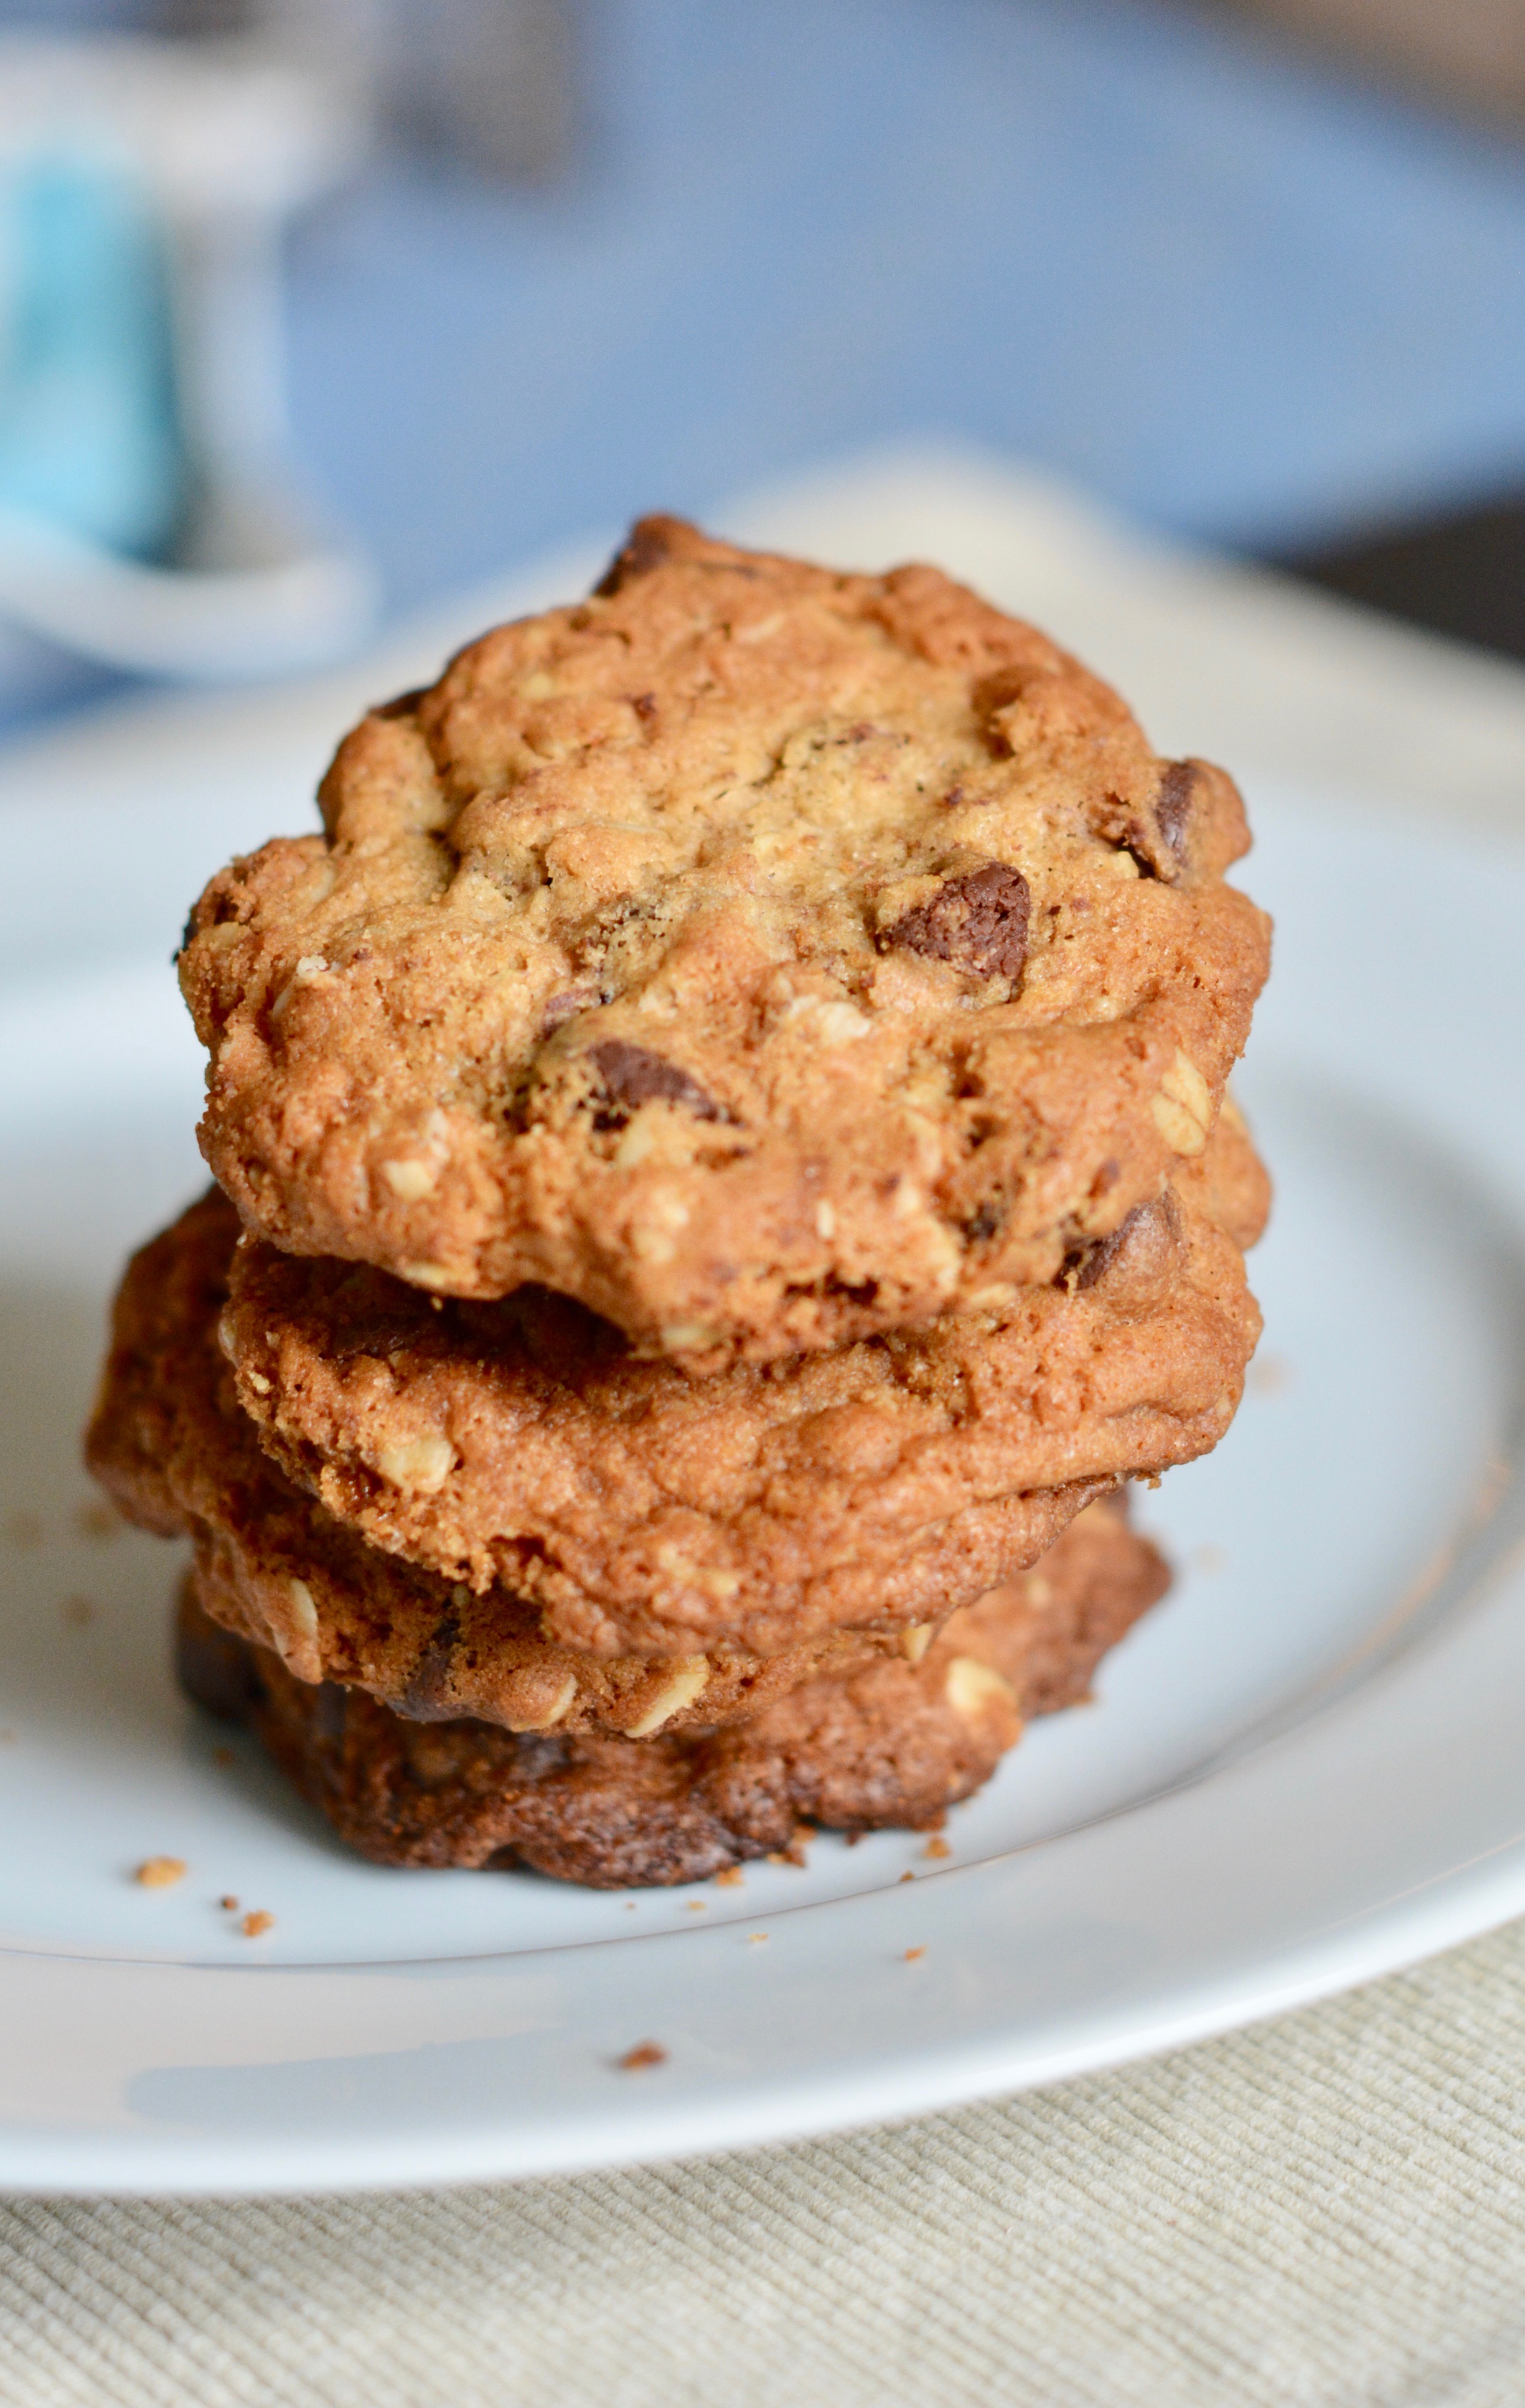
<point>762,955</point>
<point>639,1514</point>
<point>520,1442</point>
<point>896,1742</point>
<point>169,1443</point>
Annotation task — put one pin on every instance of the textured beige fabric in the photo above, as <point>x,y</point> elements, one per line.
<point>1326,2212</point>
<point>1329,2211</point>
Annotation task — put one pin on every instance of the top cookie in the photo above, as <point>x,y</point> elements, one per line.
<point>764,955</point>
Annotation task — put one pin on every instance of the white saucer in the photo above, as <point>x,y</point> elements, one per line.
<point>1306,1766</point>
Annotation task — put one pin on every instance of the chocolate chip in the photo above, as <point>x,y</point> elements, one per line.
<point>1138,832</point>
<point>644,706</point>
<point>424,1699</point>
<point>631,1077</point>
<point>1149,1231</point>
<point>567,1007</point>
<point>978,920</point>
<point>647,545</point>
<point>1172,805</point>
<point>402,706</point>
<point>982,1224</point>
<point>186,934</point>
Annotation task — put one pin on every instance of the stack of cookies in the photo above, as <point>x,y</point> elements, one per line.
<point>723,1172</point>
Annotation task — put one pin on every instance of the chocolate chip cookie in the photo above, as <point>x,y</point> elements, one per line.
<point>613,1508</point>
<point>762,955</point>
<point>896,1742</point>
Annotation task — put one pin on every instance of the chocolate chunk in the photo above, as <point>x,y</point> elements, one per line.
<point>402,706</point>
<point>984,1223</point>
<point>647,545</point>
<point>566,1006</point>
<point>1122,823</point>
<point>632,1077</point>
<point>1172,805</point>
<point>1149,1234</point>
<point>424,1699</point>
<point>979,920</point>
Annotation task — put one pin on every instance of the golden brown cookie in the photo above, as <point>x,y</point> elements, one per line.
<point>168,1440</point>
<point>520,1443</point>
<point>763,955</point>
<point>867,1491</point>
<point>893,1743</point>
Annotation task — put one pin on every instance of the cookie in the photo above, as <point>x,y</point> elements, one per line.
<point>893,1743</point>
<point>639,1515</point>
<point>762,955</point>
<point>520,1443</point>
<point>168,1439</point>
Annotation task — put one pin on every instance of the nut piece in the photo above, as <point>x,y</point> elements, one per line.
<point>160,1873</point>
<point>409,1179</point>
<point>421,1465</point>
<point>916,1642</point>
<point>1183,1108</point>
<point>973,1687</point>
<point>681,1685</point>
<point>536,1703</point>
<point>294,1633</point>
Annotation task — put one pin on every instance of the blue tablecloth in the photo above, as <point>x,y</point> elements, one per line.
<point>1219,283</point>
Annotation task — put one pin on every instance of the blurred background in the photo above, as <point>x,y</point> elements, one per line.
<point>314,310</point>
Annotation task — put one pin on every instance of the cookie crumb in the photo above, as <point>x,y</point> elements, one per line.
<point>729,1877</point>
<point>160,1873</point>
<point>637,2059</point>
<point>229,1905</point>
<point>795,1853</point>
<point>905,1877</point>
<point>755,1938</point>
<point>936,1847</point>
<point>696,1906</point>
<point>913,1955</point>
<point>253,1925</point>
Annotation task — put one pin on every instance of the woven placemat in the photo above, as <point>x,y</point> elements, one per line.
<point>1328,2210</point>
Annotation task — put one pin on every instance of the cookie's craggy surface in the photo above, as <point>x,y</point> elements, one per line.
<point>520,1443</point>
<point>168,1439</point>
<point>762,955</point>
<point>741,1527</point>
<point>894,1743</point>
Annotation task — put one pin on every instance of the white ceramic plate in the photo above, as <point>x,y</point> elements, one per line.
<point>1306,1766</point>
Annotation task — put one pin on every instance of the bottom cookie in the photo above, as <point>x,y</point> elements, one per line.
<point>896,1742</point>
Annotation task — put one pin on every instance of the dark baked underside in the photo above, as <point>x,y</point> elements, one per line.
<point>895,1743</point>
